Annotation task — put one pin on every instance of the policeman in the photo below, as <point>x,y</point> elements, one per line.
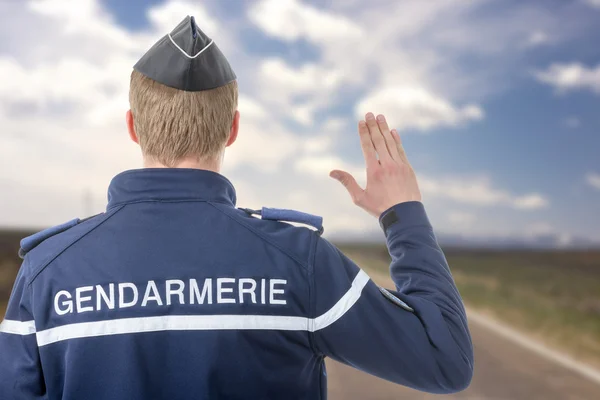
<point>174,293</point>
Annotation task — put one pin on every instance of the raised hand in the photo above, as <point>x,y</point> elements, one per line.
<point>390,177</point>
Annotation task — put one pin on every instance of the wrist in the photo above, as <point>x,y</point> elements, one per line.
<point>404,215</point>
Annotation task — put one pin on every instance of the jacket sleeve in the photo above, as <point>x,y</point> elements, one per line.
<point>20,370</point>
<point>417,335</point>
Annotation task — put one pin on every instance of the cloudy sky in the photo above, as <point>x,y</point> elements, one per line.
<point>497,102</point>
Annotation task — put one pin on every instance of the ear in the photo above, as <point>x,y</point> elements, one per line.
<point>131,127</point>
<point>235,126</point>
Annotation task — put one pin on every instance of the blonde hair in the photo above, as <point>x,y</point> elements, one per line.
<point>172,124</point>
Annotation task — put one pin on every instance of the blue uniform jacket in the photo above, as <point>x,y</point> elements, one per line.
<point>173,293</point>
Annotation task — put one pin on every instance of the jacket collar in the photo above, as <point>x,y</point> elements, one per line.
<point>170,184</point>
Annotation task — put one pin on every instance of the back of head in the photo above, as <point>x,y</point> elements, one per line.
<point>173,124</point>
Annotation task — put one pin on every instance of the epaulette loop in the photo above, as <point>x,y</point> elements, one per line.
<point>280,214</point>
<point>30,242</point>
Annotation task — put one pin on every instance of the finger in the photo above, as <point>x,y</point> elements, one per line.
<point>377,138</point>
<point>389,140</point>
<point>399,146</point>
<point>367,145</point>
<point>349,183</point>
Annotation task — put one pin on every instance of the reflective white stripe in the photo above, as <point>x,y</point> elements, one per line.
<point>206,322</point>
<point>169,323</point>
<point>344,304</point>
<point>17,327</point>
<point>186,54</point>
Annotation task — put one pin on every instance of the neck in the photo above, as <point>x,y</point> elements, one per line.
<point>188,162</point>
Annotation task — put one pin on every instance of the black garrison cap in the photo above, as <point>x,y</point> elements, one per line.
<point>186,59</point>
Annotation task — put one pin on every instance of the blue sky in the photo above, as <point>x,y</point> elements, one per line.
<point>497,103</point>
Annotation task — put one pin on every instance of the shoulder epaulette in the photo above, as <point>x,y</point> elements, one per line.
<point>30,242</point>
<point>280,214</point>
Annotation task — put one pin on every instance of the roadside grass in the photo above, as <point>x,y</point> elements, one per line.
<point>553,296</point>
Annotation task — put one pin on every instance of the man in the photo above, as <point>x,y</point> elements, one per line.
<point>173,293</point>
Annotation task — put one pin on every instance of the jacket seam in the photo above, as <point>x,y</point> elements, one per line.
<point>39,270</point>
<point>260,235</point>
<point>192,200</point>
<point>311,294</point>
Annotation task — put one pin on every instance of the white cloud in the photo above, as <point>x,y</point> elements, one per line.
<point>302,90</point>
<point>574,76</point>
<point>530,202</point>
<point>415,107</point>
<point>320,165</point>
<point>83,18</point>
<point>593,3</point>
<point>334,125</point>
<point>418,54</point>
<point>346,63</point>
<point>318,144</point>
<point>257,149</point>
<point>251,108</point>
<point>300,80</point>
<point>479,192</point>
<point>167,15</point>
<point>593,179</point>
<point>572,122</point>
<point>461,218</point>
<point>292,19</point>
<point>537,38</point>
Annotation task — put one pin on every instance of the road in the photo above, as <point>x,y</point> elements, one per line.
<point>504,370</point>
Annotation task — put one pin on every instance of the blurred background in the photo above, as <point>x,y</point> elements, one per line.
<point>497,103</point>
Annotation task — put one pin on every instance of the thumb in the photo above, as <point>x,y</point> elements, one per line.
<point>349,183</point>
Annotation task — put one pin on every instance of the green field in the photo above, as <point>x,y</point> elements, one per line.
<point>552,295</point>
